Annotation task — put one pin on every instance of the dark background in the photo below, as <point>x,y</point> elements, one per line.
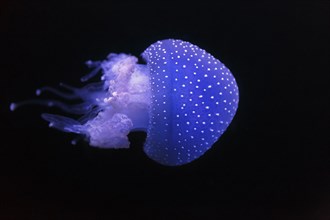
<point>272,163</point>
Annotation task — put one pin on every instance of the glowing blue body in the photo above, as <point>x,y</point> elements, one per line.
<point>194,99</point>
<point>184,99</point>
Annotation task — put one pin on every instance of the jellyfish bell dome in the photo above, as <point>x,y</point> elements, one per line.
<point>184,99</point>
<point>194,99</point>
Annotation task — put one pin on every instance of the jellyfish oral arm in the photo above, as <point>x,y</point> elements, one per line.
<point>127,106</point>
<point>129,88</point>
<point>110,109</point>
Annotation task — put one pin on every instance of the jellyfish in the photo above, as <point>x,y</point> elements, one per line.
<point>183,98</point>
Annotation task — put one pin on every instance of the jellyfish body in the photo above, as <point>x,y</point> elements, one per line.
<point>184,99</point>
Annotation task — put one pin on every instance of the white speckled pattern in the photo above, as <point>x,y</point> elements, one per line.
<point>194,99</point>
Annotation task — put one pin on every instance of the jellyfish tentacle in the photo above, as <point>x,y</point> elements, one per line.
<point>76,139</point>
<point>91,114</point>
<point>86,92</point>
<point>74,109</point>
<point>82,93</point>
<point>92,92</point>
<point>97,86</point>
<point>97,67</point>
<point>68,87</point>
<point>13,106</point>
<point>56,92</point>
<point>92,64</point>
<point>63,123</point>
